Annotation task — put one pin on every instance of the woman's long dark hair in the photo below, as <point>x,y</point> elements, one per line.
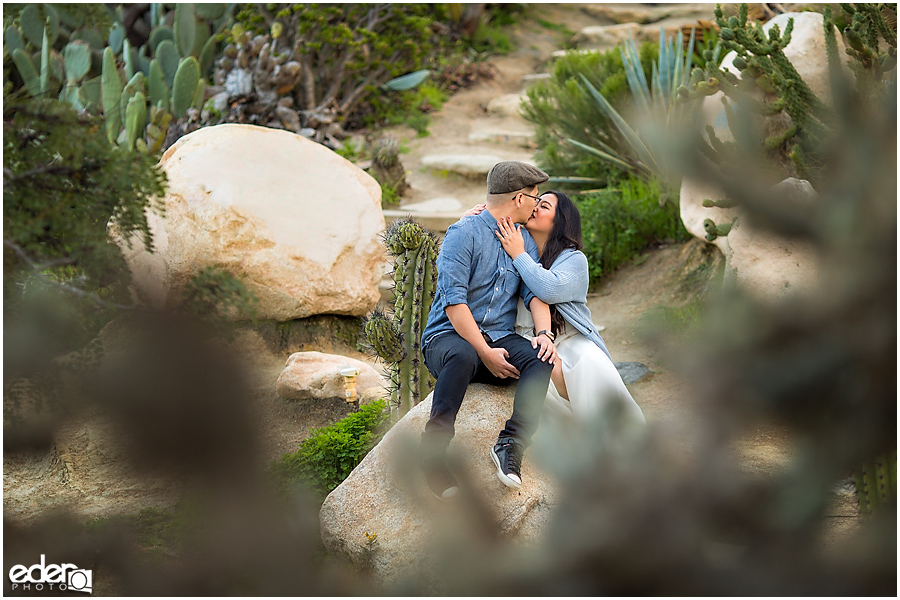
<point>566,233</point>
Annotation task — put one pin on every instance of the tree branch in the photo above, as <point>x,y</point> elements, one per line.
<point>69,289</point>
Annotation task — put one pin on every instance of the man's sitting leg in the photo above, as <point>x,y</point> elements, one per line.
<point>534,378</point>
<point>453,362</point>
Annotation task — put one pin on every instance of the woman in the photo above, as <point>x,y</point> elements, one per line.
<point>584,383</point>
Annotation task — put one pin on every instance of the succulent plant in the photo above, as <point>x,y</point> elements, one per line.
<point>876,485</point>
<point>398,341</point>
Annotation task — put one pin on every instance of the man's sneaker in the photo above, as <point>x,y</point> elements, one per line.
<point>507,456</point>
<point>439,478</point>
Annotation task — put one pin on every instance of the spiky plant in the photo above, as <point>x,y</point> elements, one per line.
<point>398,340</point>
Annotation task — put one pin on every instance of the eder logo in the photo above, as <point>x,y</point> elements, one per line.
<point>56,577</point>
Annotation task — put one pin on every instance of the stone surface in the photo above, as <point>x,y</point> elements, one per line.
<point>308,375</point>
<point>386,495</point>
<point>523,139</point>
<point>508,105</point>
<point>765,264</point>
<point>632,372</point>
<point>644,13</point>
<point>603,36</point>
<point>769,266</point>
<point>296,222</point>
<point>470,165</point>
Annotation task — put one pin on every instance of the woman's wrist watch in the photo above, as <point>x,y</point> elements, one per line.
<point>546,332</point>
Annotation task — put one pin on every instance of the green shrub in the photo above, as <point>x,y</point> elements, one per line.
<point>560,108</point>
<point>325,459</point>
<point>617,224</point>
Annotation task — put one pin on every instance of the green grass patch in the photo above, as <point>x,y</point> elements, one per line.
<point>324,460</point>
<point>618,224</point>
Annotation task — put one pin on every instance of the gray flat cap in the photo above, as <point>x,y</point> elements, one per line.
<point>512,175</point>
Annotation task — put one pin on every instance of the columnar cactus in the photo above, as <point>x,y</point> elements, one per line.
<point>876,485</point>
<point>397,341</point>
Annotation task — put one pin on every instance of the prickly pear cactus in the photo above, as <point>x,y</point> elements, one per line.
<point>397,341</point>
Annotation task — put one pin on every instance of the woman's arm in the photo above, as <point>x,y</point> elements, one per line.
<point>566,280</point>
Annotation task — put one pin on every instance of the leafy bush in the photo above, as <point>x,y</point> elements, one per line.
<point>325,459</point>
<point>62,184</point>
<point>617,224</point>
<point>561,108</point>
<point>343,52</point>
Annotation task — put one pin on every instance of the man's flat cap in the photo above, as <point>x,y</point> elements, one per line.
<point>512,175</point>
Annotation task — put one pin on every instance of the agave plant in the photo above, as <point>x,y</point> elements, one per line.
<point>657,111</point>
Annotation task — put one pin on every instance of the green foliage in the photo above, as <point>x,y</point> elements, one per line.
<point>562,109</point>
<point>409,107</point>
<point>618,224</point>
<point>62,184</point>
<point>324,460</point>
<point>351,48</point>
<point>214,292</point>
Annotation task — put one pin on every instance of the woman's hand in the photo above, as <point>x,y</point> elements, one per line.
<point>475,210</point>
<point>510,237</point>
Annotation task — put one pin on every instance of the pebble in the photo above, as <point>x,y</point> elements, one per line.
<point>632,372</point>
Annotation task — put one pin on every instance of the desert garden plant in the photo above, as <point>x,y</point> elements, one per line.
<point>328,456</point>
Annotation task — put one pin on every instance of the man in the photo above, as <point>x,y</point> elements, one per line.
<point>470,332</point>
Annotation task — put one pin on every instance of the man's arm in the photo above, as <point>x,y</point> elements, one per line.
<point>494,358</point>
<point>540,313</point>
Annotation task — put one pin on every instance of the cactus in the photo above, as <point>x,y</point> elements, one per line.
<point>135,118</point>
<point>876,485</point>
<point>187,78</point>
<point>714,231</point>
<point>156,85</point>
<point>185,29</point>
<point>111,94</point>
<point>167,55</point>
<point>398,341</point>
<point>386,152</point>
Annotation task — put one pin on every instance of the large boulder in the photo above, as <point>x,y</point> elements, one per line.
<point>791,264</point>
<point>309,375</point>
<point>296,222</point>
<point>386,496</point>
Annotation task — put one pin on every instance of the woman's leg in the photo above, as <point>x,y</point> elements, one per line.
<point>559,380</point>
<point>593,385</point>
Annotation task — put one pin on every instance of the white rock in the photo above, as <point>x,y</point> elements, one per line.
<point>523,139</point>
<point>470,165</point>
<point>600,36</point>
<point>436,205</point>
<point>768,266</point>
<point>238,83</point>
<point>386,495</point>
<point>317,375</point>
<point>747,252</point>
<point>296,222</point>
<point>507,104</point>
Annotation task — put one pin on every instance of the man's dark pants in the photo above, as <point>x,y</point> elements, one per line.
<point>454,363</point>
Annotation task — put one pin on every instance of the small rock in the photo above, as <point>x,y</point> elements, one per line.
<point>220,101</point>
<point>238,83</point>
<point>307,132</point>
<point>470,165</point>
<point>507,104</point>
<point>523,139</point>
<point>288,118</point>
<point>608,35</point>
<point>318,375</point>
<point>533,78</point>
<point>632,372</point>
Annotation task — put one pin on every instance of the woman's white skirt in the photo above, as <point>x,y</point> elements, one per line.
<point>593,383</point>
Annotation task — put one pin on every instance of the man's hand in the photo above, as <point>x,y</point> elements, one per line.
<point>548,348</point>
<point>495,360</point>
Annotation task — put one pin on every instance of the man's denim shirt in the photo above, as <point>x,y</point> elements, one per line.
<point>474,269</point>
